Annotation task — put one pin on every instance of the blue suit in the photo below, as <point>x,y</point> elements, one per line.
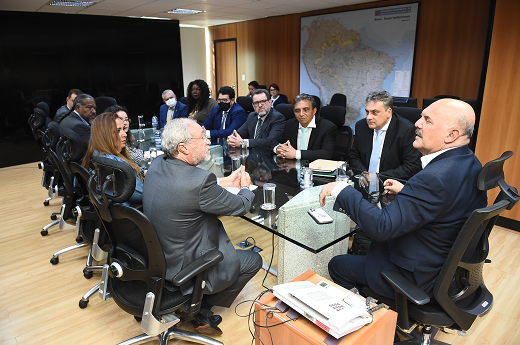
<point>179,111</point>
<point>236,117</point>
<point>414,234</point>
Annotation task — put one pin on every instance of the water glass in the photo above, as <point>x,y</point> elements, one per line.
<point>235,163</point>
<point>269,197</point>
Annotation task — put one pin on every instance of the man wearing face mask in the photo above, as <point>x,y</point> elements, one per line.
<point>225,118</point>
<point>171,109</point>
<point>262,126</point>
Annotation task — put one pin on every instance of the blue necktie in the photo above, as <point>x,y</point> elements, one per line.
<point>376,151</point>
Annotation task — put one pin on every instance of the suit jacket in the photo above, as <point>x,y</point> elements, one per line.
<point>414,234</point>
<point>321,142</point>
<point>272,128</point>
<point>236,117</point>
<point>282,99</point>
<point>399,158</point>
<point>78,126</point>
<point>188,226</point>
<point>62,110</point>
<point>179,111</point>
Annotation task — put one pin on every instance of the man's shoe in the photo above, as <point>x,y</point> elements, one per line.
<point>207,323</point>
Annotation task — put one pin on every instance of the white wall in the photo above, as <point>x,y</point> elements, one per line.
<point>193,46</point>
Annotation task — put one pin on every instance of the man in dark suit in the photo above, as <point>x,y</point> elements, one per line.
<point>262,125</point>
<point>69,103</point>
<point>171,109</point>
<point>80,118</point>
<point>306,137</point>
<point>225,118</point>
<point>414,234</point>
<point>383,142</point>
<point>183,203</point>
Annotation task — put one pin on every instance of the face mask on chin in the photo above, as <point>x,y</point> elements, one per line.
<point>224,106</point>
<point>171,102</point>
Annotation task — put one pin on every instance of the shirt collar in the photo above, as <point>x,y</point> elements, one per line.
<point>385,127</point>
<point>263,117</point>
<point>312,124</point>
<point>426,159</point>
<point>82,119</point>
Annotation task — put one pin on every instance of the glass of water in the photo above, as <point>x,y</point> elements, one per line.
<point>269,197</point>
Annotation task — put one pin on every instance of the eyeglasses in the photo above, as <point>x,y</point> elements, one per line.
<point>204,138</point>
<point>259,103</point>
<point>126,119</point>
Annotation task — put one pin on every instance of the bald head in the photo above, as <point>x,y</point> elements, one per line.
<point>444,124</point>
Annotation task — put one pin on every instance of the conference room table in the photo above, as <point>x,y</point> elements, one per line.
<point>302,243</point>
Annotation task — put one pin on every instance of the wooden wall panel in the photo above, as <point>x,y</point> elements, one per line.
<point>500,121</point>
<point>450,45</point>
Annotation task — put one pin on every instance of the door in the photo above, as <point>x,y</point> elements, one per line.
<point>226,72</point>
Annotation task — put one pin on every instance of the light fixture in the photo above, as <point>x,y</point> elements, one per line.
<point>72,3</point>
<point>184,11</point>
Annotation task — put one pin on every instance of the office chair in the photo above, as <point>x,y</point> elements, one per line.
<point>184,100</point>
<point>410,102</point>
<point>428,101</point>
<point>411,114</point>
<point>263,87</point>
<point>446,96</point>
<point>246,103</point>
<point>339,99</point>
<point>103,102</point>
<point>335,114</point>
<point>135,273</point>
<point>286,110</point>
<point>343,144</point>
<point>460,297</point>
<point>318,104</point>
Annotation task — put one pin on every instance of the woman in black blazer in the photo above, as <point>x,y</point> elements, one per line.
<point>276,97</point>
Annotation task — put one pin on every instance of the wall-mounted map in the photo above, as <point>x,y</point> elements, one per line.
<point>357,52</point>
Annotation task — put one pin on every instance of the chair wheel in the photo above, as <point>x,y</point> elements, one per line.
<point>83,304</point>
<point>44,232</point>
<point>55,261</point>
<point>79,239</point>
<point>46,203</point>
<point>87,274</point>
<point>138,318</point>
<point>54,217</point>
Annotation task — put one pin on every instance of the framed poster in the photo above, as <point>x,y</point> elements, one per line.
<point>357,52</point>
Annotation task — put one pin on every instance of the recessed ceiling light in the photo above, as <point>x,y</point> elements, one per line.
<point>72,3</point>
<point>184,11</point>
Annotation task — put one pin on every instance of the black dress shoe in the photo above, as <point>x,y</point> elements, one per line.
<point>207,323</point>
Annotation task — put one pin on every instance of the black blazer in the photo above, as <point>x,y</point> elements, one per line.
<point>272,129</point>
<point>321,142</point>
<point>75,124</point>
<point>399,158</point>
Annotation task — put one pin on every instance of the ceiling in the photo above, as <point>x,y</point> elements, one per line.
<point>217,12</point>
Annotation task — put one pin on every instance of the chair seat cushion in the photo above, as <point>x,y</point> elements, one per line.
<point>429,314</point>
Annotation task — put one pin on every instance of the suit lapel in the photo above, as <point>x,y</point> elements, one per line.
<point>265,123</point>
<point>293,138</point>
<point>390,134</point>
<point>314,133</point>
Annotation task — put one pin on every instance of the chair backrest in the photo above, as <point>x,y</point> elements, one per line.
<point>103,102</point>
<point>446,96</point>
<point>263,87</point>
<point>335,114</point>
<point>184,100</point>
<point>411,114</point>
<point>405,102</point>
<point>343,144</point>
<point>339,99</point>
<point>460,288</point>
<point>286,110</point>
<point>318,104</point>
<point>37,122</point>
<point>135,244</point>
<point>246,103</point>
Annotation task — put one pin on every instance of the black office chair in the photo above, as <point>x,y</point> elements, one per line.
<point>246,103</point>
<point>339,99</point>
<point>286,110</point>
<point>446,96</point>
<point>411,114</point>
<point>103,102</point>
<point>335,114</point>
<point>263,87</point>
<point>135,274</point>
<point>343,144</point>
<point>428,101</point>
<point>460,297</point>
<point>184,100</point>
<point>318,104</point>
<point>410,102</point>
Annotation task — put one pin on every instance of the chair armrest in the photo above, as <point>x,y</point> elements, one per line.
<point>405,287</point>
<point>201,264</point>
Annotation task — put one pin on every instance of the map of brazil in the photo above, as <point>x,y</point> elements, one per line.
<point>357,52</point>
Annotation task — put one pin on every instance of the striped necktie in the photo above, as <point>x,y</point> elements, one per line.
<point>258,126</point>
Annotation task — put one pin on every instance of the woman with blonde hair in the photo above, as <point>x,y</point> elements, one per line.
<point>108,139</point>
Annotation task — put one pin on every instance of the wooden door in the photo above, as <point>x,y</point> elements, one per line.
<point>226,73</point>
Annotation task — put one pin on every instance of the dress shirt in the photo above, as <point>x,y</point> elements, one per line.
<point>425,160</point>
<point>222,123</point>
<point>383,136</point>
<point>263,119</point>
<point>310,126</point>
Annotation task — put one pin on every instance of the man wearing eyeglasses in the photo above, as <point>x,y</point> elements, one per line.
<point>183,202</point>
<point>225,118</point>
<point>262,126</point>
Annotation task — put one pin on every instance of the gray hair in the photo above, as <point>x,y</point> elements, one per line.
<point>460,121</point>
<point>264,91</point>
<point>175,132</point>
<point>79,99</point>
<point>383,96</point>
<point>303,97</point>
<point>165,92</point>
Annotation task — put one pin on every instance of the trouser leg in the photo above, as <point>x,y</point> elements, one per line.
<point>348,270</point>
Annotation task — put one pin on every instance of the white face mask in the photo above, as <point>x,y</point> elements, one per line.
<point>171,102</point>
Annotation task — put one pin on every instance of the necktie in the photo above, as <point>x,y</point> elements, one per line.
<point>170,113</point>
<point>258,126</point>
<point>303,139</point>
<point>376,151</point>
<point>222,126</point>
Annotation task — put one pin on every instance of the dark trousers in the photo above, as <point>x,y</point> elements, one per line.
<point>348,270</point>
<point>250,264</point>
